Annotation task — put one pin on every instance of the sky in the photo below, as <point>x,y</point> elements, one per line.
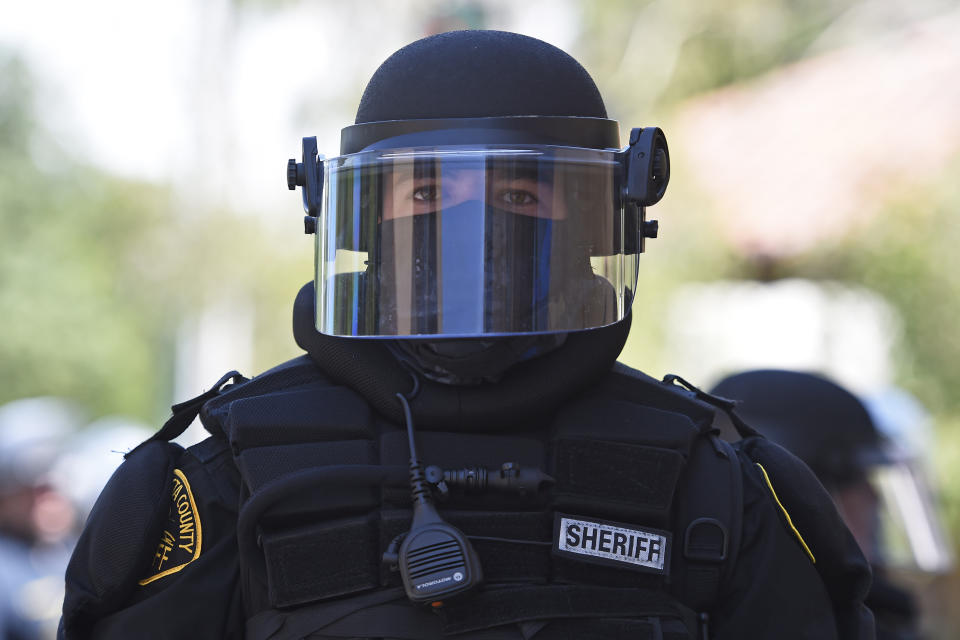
<point>214,98</point>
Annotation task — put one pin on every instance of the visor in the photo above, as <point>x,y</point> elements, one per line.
<point>911,533</point>
<point>474,241</point>
<point>891,511</point>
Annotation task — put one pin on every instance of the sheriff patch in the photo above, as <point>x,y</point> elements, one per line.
<point>182,536</point>
<point>612,543</point>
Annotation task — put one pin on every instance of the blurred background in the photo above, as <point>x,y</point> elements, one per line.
<point>148,242</point>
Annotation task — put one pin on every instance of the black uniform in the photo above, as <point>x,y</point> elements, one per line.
<point>160,556</point>
<point>895,611</point>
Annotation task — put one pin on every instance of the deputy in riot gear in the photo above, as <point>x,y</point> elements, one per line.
<point>457,453</point>
<point>36,519</point>
<point>871,479</point>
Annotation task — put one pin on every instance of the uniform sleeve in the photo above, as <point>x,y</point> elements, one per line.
<point>158,555</point>
<point>799,573</point>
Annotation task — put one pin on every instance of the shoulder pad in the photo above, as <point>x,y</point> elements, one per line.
<point>293,373</point>
<point>652,392</point>
<point>811,511</point>
<point>126,521</point>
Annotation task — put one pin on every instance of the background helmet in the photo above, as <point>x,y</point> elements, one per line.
<point>817,420</point>
<point>32,433</point>
<point>879,486</point>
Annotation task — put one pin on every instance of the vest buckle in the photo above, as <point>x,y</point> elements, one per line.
<point>705,540</point>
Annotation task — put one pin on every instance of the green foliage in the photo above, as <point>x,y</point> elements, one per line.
<point>907,253</point>
<point>659,53</point>
<point>947,470</point>
<point>75,318</point>
<point>739,40</point>
<point>97,273</point>
<point>15,103</point>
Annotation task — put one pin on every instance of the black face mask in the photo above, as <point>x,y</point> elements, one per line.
<point>502,287</point>
<point>471,361</point>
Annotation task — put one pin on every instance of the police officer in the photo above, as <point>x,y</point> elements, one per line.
<point>36,520</point>
<point>457,453</point>
<point>833,432</point>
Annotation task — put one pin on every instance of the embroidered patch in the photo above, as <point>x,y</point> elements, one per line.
<point>182,536</point>
<point>612,543</point>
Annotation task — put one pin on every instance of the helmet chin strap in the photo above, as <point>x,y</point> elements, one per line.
<point>471,361</point>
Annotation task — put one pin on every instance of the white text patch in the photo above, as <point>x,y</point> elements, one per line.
<point>611,543</point>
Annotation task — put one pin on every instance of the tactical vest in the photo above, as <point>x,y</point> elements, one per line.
<point>629,536</point>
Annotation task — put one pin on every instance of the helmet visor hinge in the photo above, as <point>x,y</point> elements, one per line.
<point>309,176</point>
<point>647,166</point>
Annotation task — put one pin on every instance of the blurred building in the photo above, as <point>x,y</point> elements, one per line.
<point>847,332</point>
<point>803,154</point>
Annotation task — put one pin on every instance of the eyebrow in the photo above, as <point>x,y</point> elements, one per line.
<point>425,168</point>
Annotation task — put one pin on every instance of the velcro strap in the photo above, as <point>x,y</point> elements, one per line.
<point>185,412</point>
<point>615,629</point>
<point>704,548</point>
<point>571,570</point>
<point>726,404</point>
<point>321,561</point>
<point>512,546</point>
<point>344,556</point>
<point>309,414</point>
<point>701,585</point>
<point>635,481</point>
<point>496,607</point>
<point>262,465</point>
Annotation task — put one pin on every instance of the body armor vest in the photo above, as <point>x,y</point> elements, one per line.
<point>631,465</point>
<point>600,502</point>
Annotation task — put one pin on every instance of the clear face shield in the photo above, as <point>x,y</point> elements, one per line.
<point>477,240</point>
<point>892,513</point>
<point>473,242</point>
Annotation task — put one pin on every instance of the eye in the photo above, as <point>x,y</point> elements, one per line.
<point>518,198</point>
<point>425,193</point>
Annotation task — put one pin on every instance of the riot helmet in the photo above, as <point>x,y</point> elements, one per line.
<point>481,193</point>
<point>817,420</point>
<point>875,482</point>
<point>32,431</point>
<point>32,435</point>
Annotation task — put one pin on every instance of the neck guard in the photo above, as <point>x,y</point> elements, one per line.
<point>467,362</point>
<point>527,393</point>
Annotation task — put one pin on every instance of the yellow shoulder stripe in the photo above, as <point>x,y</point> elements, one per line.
<point>786,515</point>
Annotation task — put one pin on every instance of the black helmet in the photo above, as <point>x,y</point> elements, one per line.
<point>817,420</point>
<point>481,192</point>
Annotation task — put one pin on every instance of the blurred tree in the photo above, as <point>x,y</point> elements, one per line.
<point>908,254</point>
<point>651,55</point>
<point>75,319</point>
<point>96,273</point>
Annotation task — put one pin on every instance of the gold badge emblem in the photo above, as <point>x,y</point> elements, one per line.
<point>182,536</point>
